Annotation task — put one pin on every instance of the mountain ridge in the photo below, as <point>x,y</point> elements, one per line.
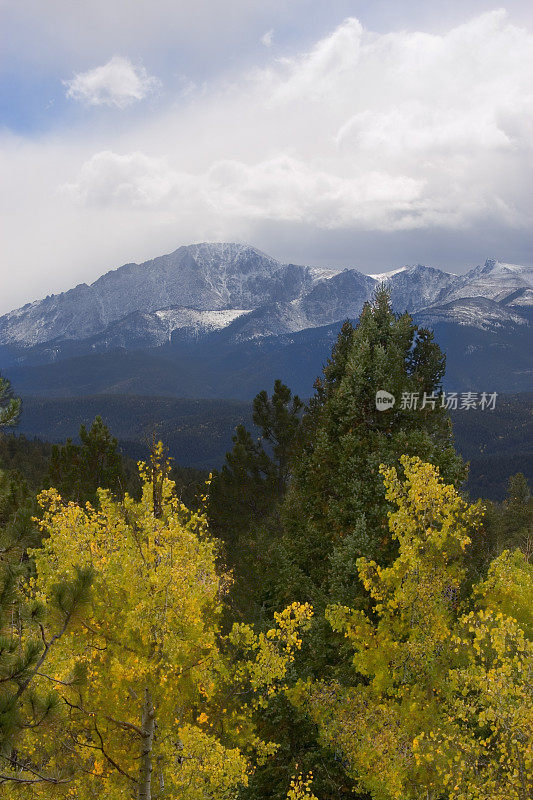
<point>206,300</point>
<point>213,277</point>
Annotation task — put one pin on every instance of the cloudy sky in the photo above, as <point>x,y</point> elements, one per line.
<point>370,133</point>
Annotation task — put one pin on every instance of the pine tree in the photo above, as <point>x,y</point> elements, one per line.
<point>17,532</point>
<point>279,419</point>
<point>242,492</point>
<point>335,510</point>
<point>509,524</point>
<point>78,470</point>
<point>9,406</point>
<point>30,631</point>
<point>244,495</point>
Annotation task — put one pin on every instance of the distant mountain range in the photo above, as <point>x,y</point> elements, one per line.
<point>224,320</point>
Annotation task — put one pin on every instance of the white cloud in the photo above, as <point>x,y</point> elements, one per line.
<point>267,38</point>
<point>118,83</point>
<point>386,132</point>
<point>289,190</point>
<point>279,189</point>
<point>133,179</point>
<point>416,136</point>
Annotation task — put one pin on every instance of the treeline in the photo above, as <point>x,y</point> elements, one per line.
<point>197,432</point>
<point>497,443</point>
<point>328,616</point>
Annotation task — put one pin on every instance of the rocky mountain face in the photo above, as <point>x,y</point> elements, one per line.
<point>510,284</point>
<point>202,277</point>
<point>210,296</point>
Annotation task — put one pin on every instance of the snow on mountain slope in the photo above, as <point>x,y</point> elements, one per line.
<point>202,276</point>
<point>198,321</point>
<point>522,298</point>
<point>70,315</point>
<point>381,277</point>
<point>206,277</point>
<point>495,280</point>
<point>476,312</point>
<point>324,273</point>
<point>417,287</point>
<point>331,299</point>
<point>140,329</point>
<point>200,289</point>
<point>337,298</point>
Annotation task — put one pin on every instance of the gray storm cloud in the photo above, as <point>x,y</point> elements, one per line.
<point>406,133</point>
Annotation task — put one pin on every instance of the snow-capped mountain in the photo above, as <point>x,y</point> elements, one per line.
<point>226,295</point>
<point>203,277</point>
<point>476,312</point>
<point>414,288</point>
<point>205,287</point>
<point>504,283</point>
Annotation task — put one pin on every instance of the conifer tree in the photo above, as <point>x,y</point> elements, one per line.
<point>9,406</point>
<point>335,510</point>
<point>509,524</point>
<point>30,630</point>
<point>279,419</point>
<point>17,533</point>
<point>78,470</point>
<point>244,494</point>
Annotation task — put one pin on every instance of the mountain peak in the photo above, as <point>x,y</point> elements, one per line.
<point>205,285</point>
<point>206,276</point>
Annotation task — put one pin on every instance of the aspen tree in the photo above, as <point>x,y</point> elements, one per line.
<point>152,704</point>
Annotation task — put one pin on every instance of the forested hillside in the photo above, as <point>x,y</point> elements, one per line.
<point>326,616</point>
<point>198,433</point>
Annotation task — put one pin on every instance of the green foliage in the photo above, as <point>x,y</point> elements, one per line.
<point>243,496</point>
<point>17,533</point>
<point>336,472</point>
<point>298,749</point>
<point>242,492</point>
<point>335,509</point>
<point>120,656</point>
<point>198,433</point>
<point>77,471</point>
<point>497,444</point>
<point>9,406</point>
<point>279,419</point>
<point>440,705</point>
<point>507,525</point>
<point>30,632</point>
<point>30,458</point>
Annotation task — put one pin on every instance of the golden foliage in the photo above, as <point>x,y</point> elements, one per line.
<point>146,652</point>
<point>443,705</point>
